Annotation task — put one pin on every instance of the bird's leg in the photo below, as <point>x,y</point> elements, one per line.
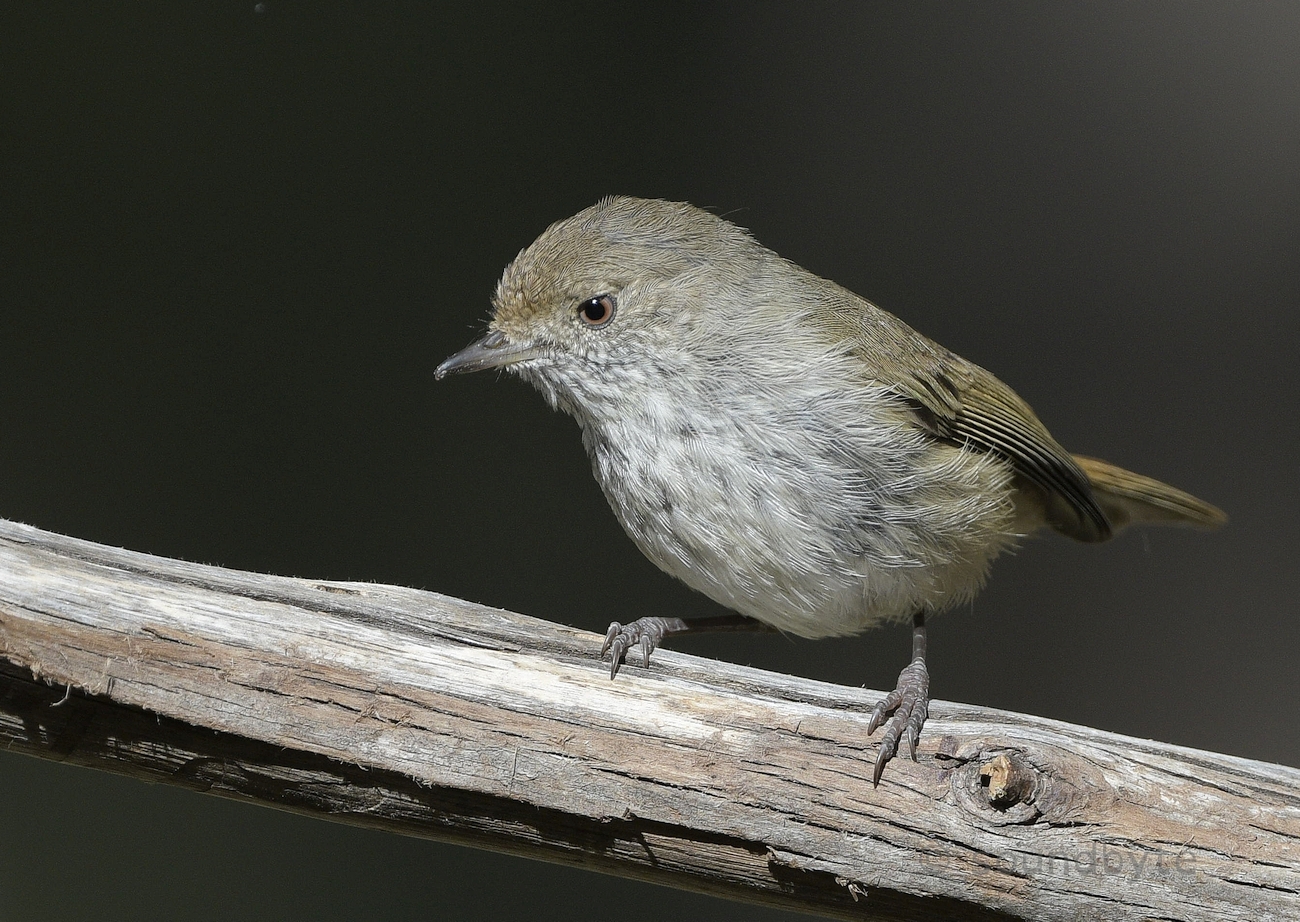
<point>646,633</point>
<point>909,703</point>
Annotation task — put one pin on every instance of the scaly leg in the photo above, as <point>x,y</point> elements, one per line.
<point>646,633</point>
<point>909,703</point>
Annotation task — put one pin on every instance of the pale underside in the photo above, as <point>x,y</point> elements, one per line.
<point>818,509</point>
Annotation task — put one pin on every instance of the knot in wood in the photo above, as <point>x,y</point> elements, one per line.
<point>1003,787</point>
<point>1006,782</point>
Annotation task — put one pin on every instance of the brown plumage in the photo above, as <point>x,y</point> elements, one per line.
<point>780,443</point>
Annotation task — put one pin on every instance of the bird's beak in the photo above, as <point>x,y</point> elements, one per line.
<point>493,350</point>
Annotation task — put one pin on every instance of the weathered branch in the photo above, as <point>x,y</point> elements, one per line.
<point>435,717</point>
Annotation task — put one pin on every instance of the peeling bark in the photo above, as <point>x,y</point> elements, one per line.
<point>435,717</point>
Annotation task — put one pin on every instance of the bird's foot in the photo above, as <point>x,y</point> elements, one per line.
<point>909,704</point>
<point>645,633</point>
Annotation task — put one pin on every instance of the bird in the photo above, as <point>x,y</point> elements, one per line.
<point>784,446</point>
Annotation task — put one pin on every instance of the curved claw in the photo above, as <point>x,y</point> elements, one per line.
<point>909,705</point>
<point>613,632</point>
<point>616,644</point>
<point>644,633</point>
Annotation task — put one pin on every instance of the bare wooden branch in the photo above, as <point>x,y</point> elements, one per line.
<point>436,717</point>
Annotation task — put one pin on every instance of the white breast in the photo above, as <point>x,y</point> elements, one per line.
<point>816,507</point>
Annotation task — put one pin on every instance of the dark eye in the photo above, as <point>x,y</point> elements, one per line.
<point>598,311</point>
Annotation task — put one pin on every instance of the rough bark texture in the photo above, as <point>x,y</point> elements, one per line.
<point>436,717</point>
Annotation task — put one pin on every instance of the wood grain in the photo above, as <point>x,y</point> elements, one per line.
<point>431,716</point>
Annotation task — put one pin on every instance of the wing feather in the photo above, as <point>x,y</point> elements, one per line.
<point>961,402</point>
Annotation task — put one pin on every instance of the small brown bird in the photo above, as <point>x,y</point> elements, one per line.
<point>782,445</point>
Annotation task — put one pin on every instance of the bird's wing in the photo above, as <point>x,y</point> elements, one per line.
<point>989,415</point>
<point>960,402</point>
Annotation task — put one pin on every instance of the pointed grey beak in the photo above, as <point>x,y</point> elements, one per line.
<point>491,351</point>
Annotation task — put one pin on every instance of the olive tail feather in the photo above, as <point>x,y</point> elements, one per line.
<point>1131,499</point>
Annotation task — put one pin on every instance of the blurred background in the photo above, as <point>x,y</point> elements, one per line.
<point>236,238</point>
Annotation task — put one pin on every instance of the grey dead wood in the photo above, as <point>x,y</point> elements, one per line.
<point>431,716</point>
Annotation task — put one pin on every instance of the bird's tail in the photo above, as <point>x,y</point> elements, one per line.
<point>1131,499</point>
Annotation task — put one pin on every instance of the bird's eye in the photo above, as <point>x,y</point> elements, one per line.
<point>597,312</point>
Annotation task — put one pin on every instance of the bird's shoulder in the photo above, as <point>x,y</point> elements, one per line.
<point>958,401</point>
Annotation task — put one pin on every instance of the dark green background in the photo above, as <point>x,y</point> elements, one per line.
<point>235,241</point>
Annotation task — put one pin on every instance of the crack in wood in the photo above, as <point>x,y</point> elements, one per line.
<point>428,716</point>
